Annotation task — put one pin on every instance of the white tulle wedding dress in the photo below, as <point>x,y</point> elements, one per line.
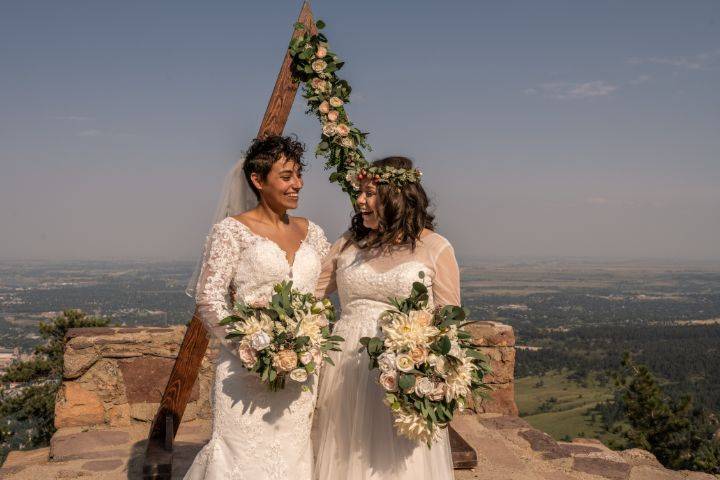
<point>256,434</point>
<point>354,432</point>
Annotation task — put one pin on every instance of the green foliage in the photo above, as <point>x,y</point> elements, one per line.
<point>27,412</point>
<point>316,66</point>
<point>287,310</point>
<point>679,435</point>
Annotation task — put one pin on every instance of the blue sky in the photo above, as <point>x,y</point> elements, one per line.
<point>559,128</point>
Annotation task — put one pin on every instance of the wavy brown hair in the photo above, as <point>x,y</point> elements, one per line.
<point>402,214</point>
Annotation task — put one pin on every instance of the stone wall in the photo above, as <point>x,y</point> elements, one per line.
<point>497,341</point>
<point>116,376</point>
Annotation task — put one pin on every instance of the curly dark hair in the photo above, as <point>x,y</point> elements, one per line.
<point>264,152</point>
<point>402,214</point>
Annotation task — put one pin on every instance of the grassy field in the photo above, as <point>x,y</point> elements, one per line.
<point>558,406</point>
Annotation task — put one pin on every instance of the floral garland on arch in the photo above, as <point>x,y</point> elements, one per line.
<point>341,143</point>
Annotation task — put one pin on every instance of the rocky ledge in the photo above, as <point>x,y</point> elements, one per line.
<point>114,378</point>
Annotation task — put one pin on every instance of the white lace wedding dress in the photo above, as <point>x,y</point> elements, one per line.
<point>256,434</point>
<point>354,430</point>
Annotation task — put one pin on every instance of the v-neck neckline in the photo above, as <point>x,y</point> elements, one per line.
<point>289,263</point>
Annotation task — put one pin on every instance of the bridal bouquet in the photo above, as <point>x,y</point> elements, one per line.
<point>289,337</point>
<point>428,365</point>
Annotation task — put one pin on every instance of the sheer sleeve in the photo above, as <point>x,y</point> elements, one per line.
<point>326,282</point>
<point>219,263</point>
<point>446,284</point>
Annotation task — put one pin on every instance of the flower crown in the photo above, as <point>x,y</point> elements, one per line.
<point>397,177</point>
<point>327,95</point>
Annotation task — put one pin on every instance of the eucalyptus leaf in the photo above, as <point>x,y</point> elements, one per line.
<point>406,381</point>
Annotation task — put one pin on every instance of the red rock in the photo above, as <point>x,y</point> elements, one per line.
<point>76,406</point>
<point>494,334</point>
<point>543,443</point>
<point>89,444</point>
<point>504,422</point>
<point>502,400</point>
<point>102,465</point>
<point>502,363</point>
<point>145,379</point>
<point>602,467</point>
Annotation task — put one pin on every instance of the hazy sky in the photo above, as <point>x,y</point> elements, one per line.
<point>570,128</point>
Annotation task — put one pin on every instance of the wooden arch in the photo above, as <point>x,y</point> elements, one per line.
<point>159,451</point>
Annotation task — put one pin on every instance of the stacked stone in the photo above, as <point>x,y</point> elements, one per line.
<point>497,341</point>
<point>116,376</point>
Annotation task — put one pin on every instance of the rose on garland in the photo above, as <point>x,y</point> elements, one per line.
<point>341,142</point>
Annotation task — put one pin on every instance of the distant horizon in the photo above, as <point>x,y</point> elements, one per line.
<point>543,129</point>
<point>460,257</point>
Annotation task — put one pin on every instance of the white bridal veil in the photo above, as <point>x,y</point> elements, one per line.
<point>235,197</point>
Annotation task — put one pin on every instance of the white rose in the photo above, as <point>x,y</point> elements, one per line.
<point>285,360</point>
<point>388,381</point>
<point>336,102</point>
<point>456,351</point>
<point>352,179</point>
<point>404,362</point>
<point>386,362</point>
<point>247,354</point>
<point>259,340</point>
<point>421,317</point>
<point>319,65</point>
<point>329,129</point>
<point>317,356</point>
<point>319,84</point>
<point>438,392</point>
<point>452,332</point>
<point>342,129</point>
<point>321,52</point>
<point>347,142</point>
<point>306,357</point>
<point>322,321</point>
<point>438,363</point>
<point>324,107</point>
<point>333,115</point>
<point>418,354</point>
<point>424,386</point>
<point>299,375</point>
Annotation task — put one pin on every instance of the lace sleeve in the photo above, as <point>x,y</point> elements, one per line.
<point>446,284</point>
<point>326,282</point>
<point>318,240</point>
<point>219,263</point>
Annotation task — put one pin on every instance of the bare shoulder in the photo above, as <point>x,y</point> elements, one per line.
<point>300,222</point>
<point>245,217</point>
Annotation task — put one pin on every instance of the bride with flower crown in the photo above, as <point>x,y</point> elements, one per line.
<point>391,240</point>
<point>257,434</point>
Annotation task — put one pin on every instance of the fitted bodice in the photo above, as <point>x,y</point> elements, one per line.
<point>256,433</point>
<point>250,265</point>
<point>359,283</point>
<point>367,279</point>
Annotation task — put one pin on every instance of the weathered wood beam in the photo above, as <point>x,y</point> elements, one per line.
<point>283,94</point>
